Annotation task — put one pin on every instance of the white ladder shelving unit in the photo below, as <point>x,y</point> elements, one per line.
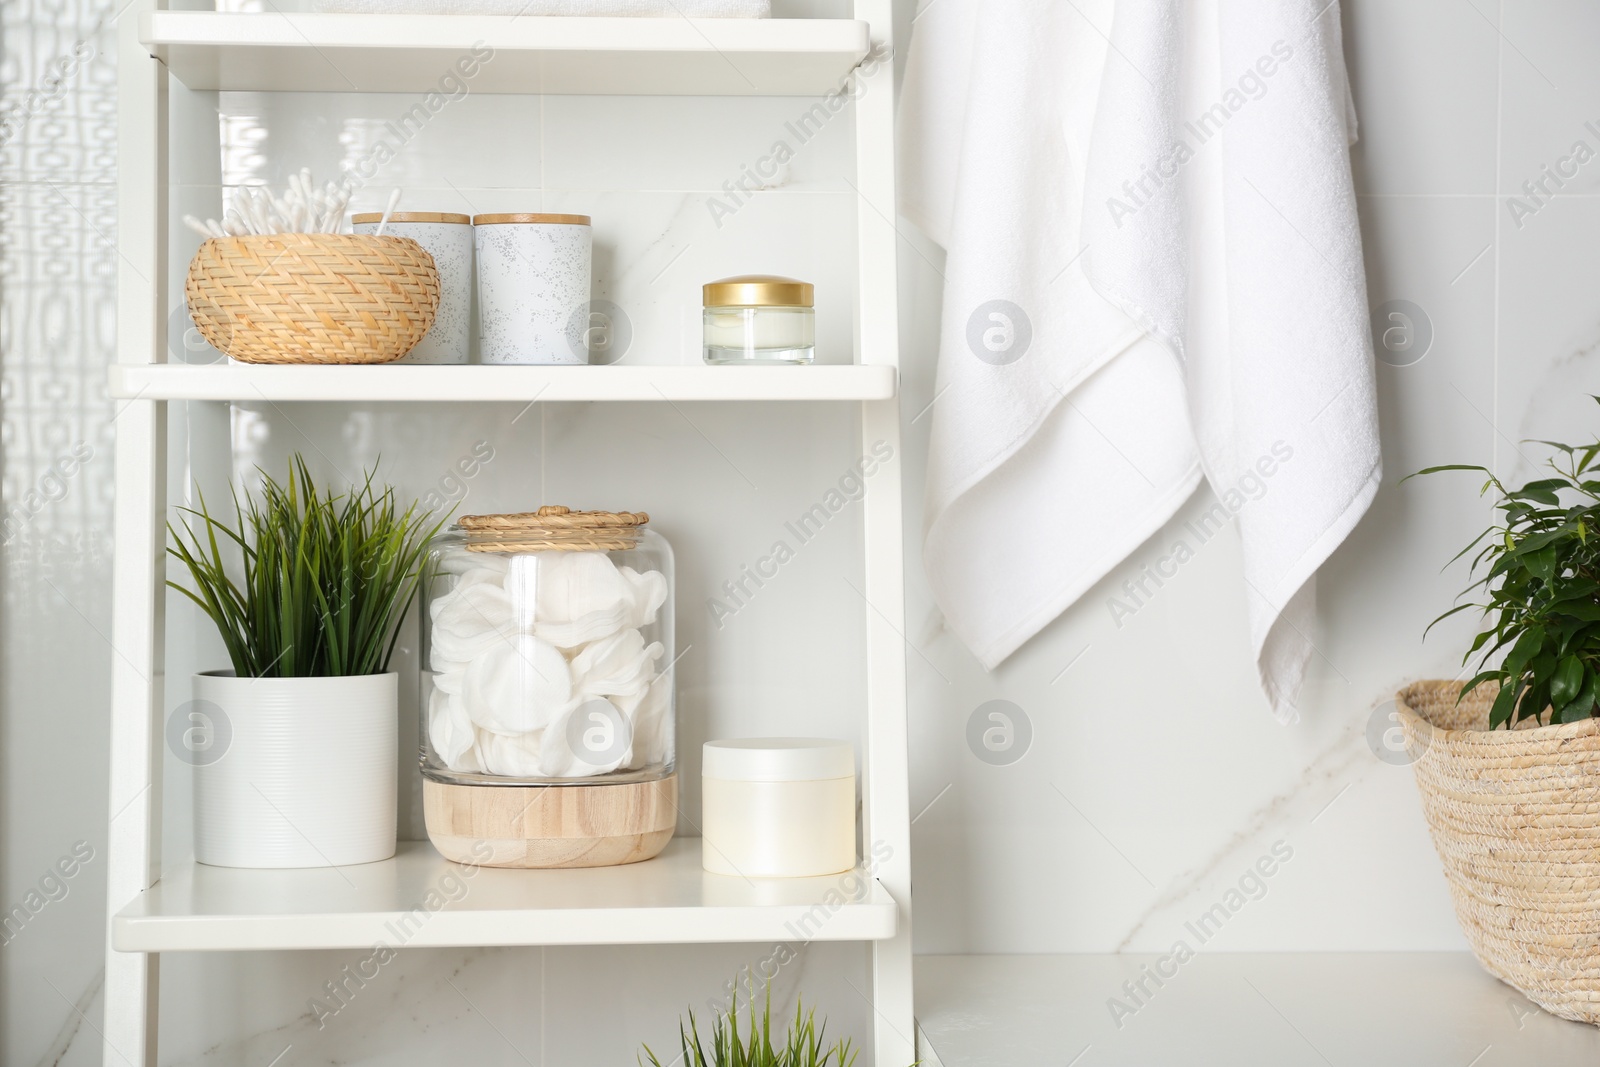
<point>196,908</point>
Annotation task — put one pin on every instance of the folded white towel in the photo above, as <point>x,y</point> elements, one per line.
<point>1060,439</point>
<point>1171,224</point>
<point>694,9</point>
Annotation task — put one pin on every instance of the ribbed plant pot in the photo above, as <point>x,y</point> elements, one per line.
<point>304,774</point>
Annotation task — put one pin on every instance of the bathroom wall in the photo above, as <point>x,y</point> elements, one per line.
<point>1154,775</point>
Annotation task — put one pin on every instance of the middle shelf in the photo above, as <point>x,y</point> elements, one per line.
<point>419,899</point>
<point>244,382</point>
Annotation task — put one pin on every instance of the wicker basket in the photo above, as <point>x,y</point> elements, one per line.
<point>312,297</point>
<point>1515,815</point>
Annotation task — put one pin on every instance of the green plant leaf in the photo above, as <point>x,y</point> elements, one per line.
<point>1543,563</point>
<point>1566,681</point>
<point>1523,651</point>
<point>1500,711</point>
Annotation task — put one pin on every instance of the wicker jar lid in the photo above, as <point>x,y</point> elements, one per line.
<point>554,528</point>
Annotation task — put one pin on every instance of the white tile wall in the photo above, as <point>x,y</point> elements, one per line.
<point>1155,775</point>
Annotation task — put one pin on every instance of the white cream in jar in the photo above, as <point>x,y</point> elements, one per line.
<point>778,807</point>
<point>759,318</point>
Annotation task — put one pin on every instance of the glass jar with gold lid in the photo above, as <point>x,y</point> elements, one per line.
<point>760,318</point>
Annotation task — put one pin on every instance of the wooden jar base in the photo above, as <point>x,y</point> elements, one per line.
<point>550,826</point>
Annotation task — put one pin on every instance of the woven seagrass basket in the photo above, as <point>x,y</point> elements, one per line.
<point>1515,815</point>
<point>312,297</point>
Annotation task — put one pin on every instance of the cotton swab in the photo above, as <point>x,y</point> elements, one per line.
<point>394,198</point>
<point>303,208</point>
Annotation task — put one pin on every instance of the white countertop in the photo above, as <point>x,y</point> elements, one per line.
<point>1271,1009</point>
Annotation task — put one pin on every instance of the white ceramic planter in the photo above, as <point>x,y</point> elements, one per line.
<point>307,777</point>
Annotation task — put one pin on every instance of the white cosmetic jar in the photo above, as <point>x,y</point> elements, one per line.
<point>447,238</point>
<point>533,288</point>
<point>778,807</point>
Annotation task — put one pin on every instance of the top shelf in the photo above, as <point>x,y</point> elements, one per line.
<point>281,52</point>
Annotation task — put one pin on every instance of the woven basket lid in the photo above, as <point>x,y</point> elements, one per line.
<point>553,528</point>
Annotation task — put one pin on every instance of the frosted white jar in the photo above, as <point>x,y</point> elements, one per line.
<point>448,239</point>
<point>533,285</point>
<point>778,807</point>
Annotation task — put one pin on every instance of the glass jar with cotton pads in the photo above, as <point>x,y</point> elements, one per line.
<point>533,287</point>
<point>778,807</point>
<point>547,695</point>
<point>447,237</point>
<point>760,318</point>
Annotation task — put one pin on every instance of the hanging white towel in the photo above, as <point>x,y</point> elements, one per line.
<point>1183,308</point>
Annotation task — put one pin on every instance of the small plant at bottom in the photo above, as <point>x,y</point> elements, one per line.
<point>805,1045</point>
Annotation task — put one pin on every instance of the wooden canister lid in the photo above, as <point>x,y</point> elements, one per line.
<point>451,217</point>
<point>530,219</point>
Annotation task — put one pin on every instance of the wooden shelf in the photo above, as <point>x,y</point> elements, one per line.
<point>665,900</point>
<point>295,52</point>
<point>243,382</point>
<point>1283,1009</point>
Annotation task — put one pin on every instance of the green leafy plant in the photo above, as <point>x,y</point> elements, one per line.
<point>805,1044</point>
<point>1541,578</point>
<point>325,580</point>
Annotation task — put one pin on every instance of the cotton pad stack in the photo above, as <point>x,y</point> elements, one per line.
<point>541,668</point>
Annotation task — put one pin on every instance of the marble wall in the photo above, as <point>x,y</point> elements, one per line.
<point>1155,775</point>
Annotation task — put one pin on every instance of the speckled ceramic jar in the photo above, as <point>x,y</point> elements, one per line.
<point>448,239</point>
<point>533,287</point>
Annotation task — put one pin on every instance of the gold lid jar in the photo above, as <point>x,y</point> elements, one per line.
<point>759,318</point>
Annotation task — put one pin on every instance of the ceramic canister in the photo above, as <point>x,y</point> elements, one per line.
<point>448,239</point>
<point>533,287</point>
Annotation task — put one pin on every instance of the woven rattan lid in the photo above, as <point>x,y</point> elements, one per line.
<point>554,528</point>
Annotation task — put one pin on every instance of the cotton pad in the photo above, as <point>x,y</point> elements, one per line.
<point>618,665</point>
<point>450,731</point>
<point>518,686</point>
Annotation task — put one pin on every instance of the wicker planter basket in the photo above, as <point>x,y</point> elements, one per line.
<point>312,297</point>
<point>1515,815</point>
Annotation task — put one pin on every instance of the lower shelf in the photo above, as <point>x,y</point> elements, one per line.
<point>419,899</point>
<point>1389,1009</point>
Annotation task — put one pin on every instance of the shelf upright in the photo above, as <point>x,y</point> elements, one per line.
<point>214,909</point>
<point>886,819</point>
<point>133,852</point>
